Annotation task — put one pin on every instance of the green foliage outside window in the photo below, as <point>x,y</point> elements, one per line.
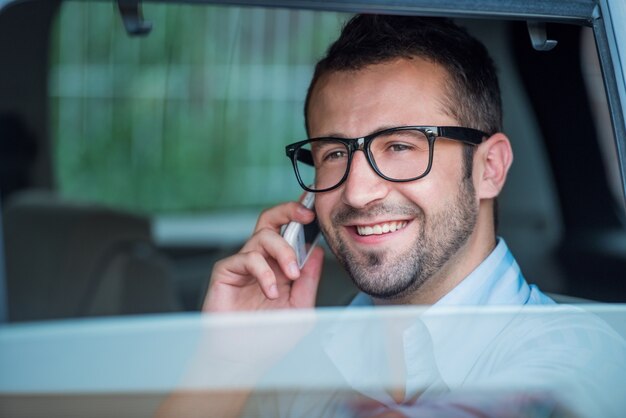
<point>193,117</point>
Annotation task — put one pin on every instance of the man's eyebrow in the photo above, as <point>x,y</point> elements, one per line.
<point>378,129</point>
<point>331,135</point>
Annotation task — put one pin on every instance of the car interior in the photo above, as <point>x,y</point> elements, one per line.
<point>139,144</point>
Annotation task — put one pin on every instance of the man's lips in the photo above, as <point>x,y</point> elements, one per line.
<point>380,228</point>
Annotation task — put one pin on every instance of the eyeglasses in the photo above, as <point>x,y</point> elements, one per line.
<point>397,154</point>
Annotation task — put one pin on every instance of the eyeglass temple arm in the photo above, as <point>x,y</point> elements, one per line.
<point>469,135</point>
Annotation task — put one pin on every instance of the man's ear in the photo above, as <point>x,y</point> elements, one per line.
<point>492,161</point>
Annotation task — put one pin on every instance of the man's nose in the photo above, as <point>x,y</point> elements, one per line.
<point>363,186</point>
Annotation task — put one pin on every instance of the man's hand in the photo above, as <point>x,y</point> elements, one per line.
<point>265,274</point>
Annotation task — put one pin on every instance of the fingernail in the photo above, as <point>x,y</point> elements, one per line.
<point>303,210</point>
<point>294,271</point>
<point>273,291</point>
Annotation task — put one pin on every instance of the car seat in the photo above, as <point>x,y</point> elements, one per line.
<point>70,259</point>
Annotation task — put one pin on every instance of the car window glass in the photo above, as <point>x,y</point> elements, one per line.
<point>193,117</point>
<point>594,84</point>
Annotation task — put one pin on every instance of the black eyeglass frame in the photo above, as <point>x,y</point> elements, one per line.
<point>468,136</point>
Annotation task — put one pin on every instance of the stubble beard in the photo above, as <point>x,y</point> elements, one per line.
<point>393,276</point>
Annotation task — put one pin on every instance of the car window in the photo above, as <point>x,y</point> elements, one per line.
<point>165,148</point>
<point>594,85</point>
<point>193,117</point>
<point>174,142</point>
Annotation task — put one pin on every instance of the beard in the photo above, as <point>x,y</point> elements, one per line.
<point>392,275</point>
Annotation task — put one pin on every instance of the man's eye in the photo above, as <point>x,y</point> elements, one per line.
<point>335,155</point>
<point>400,147</point>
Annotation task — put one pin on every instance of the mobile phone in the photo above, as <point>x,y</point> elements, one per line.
<point>303,237</point>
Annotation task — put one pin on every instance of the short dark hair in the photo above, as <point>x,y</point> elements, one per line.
<point>473,91</point>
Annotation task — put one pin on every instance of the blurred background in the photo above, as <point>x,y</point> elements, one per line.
<point>193,117</point>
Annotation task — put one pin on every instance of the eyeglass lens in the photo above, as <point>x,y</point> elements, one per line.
<point>399,155</point>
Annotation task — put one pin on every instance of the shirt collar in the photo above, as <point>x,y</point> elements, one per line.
<point>495,281</point>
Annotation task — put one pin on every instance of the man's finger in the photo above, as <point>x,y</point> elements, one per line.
<point>273,246</point>
<point>278,249</point>
<point>242,266</point>
<point>280,215</point>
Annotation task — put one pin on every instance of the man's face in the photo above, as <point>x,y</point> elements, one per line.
<point>429,220</point>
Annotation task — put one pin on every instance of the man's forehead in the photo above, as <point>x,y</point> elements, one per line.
<point>388,94</point>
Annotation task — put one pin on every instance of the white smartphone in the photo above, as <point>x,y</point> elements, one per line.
<point>303,237</point>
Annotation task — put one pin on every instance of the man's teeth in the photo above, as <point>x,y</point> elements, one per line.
<point>380,229</point>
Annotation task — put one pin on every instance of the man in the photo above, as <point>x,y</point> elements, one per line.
<point>405,119</point>
<point>434,197</point>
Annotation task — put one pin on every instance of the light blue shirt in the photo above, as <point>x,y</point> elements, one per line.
<point>563,352</point>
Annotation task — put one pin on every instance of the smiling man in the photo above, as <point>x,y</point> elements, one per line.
<point>406,159</point>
